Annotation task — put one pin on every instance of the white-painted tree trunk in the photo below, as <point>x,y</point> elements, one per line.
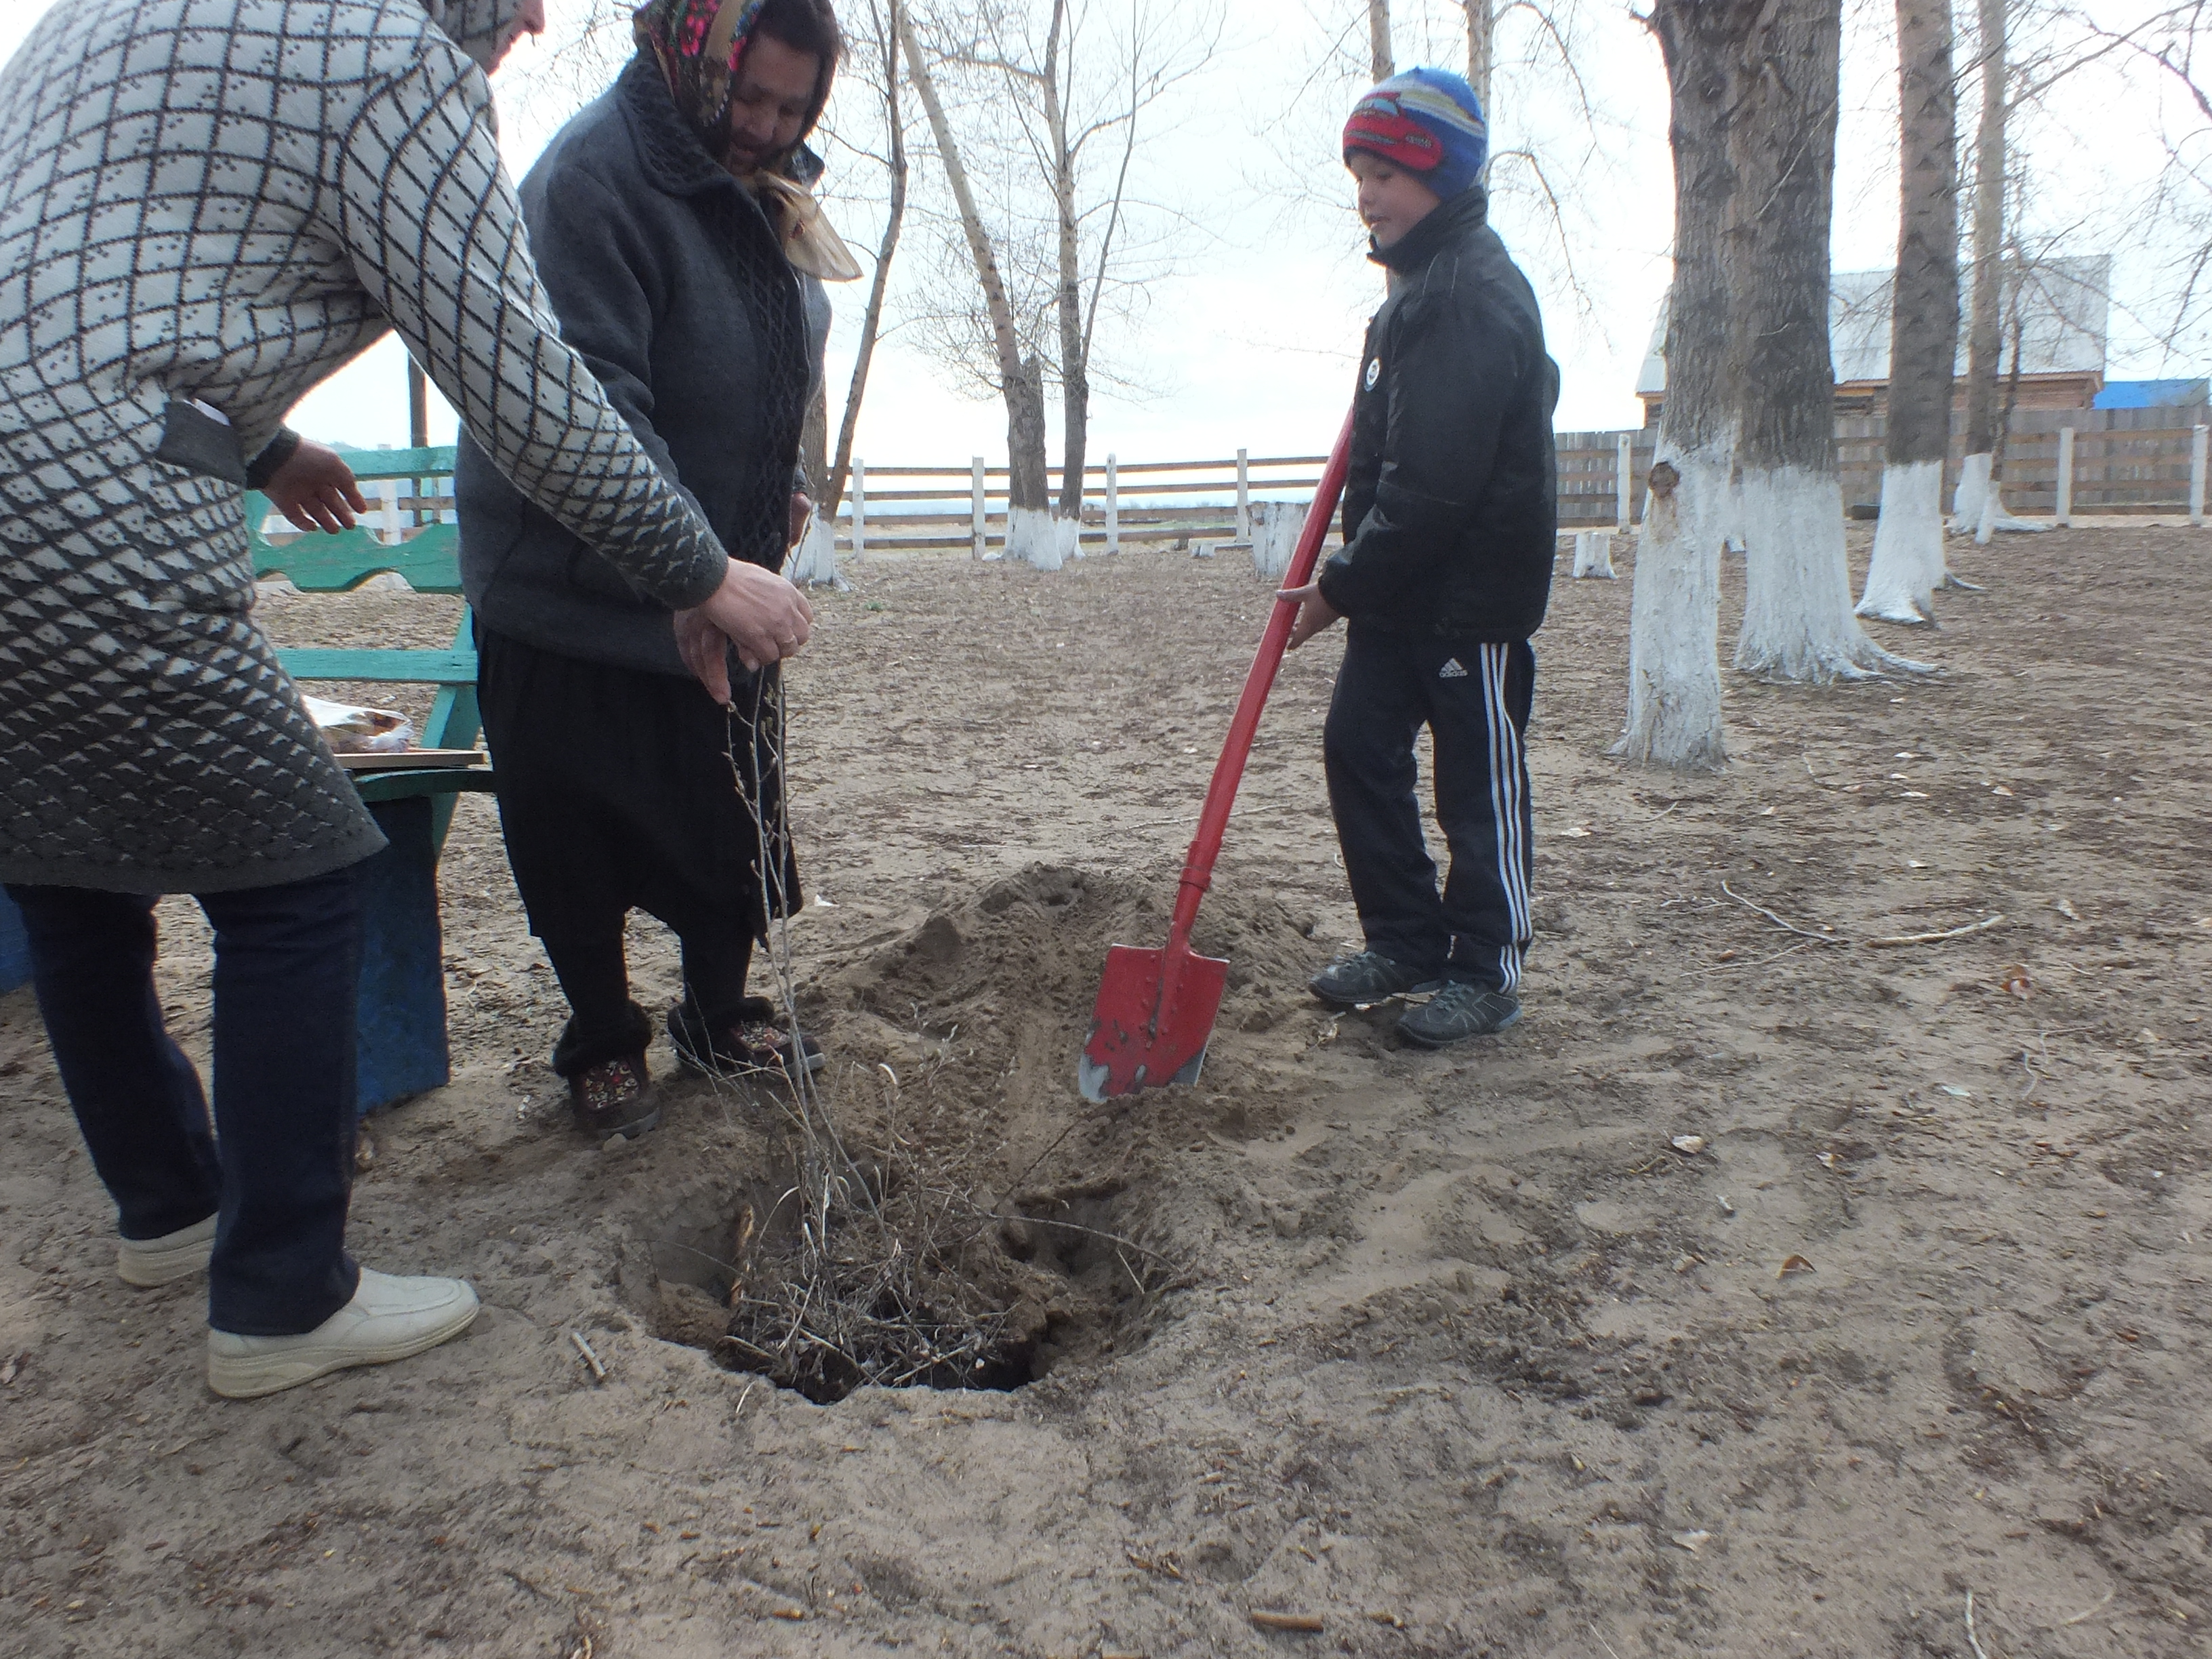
<point>1908,545</point>
<point>1673,618</point>
<point>1977,506</point>
<point>1593,555</point>
<point>1276,527</point>
<point>1994,518</point>
<point>1033,536</point>
<point>1973,486</point>
<point>1797,620</point>
<point>813,563</point>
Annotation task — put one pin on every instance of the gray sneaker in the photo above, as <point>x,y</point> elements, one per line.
<point>1463,1009</point>
<point>1369,978</point>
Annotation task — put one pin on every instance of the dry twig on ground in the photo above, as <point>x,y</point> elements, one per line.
<point>1982,926</point>
<point>1786,927</point>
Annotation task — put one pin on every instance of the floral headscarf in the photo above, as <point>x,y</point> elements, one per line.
<point>700,43</point>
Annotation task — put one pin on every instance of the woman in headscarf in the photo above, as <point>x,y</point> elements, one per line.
<point>206,207</point>
<point>675,234</point>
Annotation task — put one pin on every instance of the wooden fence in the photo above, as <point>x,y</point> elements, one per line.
<point>1601,475</point>
<point>2069,464</point>
<point>908,509</point>
<point>2064,463</point>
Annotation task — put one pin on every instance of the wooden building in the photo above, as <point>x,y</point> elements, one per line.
<point>2061,308</point>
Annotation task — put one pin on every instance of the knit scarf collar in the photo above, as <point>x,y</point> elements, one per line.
<point>678,162</point>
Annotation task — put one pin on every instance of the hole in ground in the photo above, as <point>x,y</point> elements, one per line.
<point>916,1288</point>
<point>953,1049</point>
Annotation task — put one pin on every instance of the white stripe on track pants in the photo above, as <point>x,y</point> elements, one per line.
<point>1475,700</point>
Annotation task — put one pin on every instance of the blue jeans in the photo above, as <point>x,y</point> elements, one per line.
<point>287,963</point>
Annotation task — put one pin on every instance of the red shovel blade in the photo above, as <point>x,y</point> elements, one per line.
<point>1135,1041</point>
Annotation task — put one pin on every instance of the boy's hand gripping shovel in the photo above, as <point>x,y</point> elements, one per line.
<point>1156,1008</point>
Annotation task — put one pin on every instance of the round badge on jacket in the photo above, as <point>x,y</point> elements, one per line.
<point>1374,372</point>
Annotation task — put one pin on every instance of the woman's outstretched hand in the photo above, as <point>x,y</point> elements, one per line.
<point>756,611</point>
<point>1314,613</point>
<point>315,489</point>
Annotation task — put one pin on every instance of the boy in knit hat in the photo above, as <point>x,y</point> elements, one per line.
<point>1450,522</point>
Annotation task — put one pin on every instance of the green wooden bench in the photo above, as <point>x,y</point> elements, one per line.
<point>430,560</point>
<point>403,1042</point>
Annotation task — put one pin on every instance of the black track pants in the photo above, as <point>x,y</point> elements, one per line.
<point>1474,699</point>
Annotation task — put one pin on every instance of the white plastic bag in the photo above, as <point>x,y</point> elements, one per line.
<point>361,730</point>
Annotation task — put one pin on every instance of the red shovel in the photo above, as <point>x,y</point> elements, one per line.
<point>1156,1008</point>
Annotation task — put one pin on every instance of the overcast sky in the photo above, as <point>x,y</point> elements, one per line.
<point>1252,341</point>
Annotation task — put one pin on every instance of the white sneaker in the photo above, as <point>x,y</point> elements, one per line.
<point>148,1262</point>
<point>389,1318</point>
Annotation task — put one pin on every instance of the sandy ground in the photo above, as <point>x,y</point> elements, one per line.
<point>1454,1353</point>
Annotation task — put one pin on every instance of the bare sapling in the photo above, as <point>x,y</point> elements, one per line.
<point>880,1265</point>
<point>835,1289</point>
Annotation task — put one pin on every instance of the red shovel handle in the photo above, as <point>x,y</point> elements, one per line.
<point>1229,770</point>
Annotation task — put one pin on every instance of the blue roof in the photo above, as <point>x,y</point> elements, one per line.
<point>2151,394</point>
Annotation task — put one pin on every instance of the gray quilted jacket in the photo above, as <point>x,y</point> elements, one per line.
<point>219,202</point>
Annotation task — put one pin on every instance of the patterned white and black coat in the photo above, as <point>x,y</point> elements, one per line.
<point>222,201</point>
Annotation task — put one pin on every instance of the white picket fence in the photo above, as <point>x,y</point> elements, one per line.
<point>890,510</point>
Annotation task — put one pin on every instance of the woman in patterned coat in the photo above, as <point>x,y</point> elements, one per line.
<point>206,207</point>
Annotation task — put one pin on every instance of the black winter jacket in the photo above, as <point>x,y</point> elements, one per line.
<point>1450,509</point>
<point>669,283</point>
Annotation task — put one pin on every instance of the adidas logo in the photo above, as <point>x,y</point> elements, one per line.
<point>1451,670</point>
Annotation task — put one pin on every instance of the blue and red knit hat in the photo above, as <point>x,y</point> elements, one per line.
<point>1427,122</point>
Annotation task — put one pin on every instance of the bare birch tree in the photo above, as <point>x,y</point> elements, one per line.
<point>1381,62</point>
<point>1673,660</point>
<point>1071,112</point>
<point>1059,96</point>
<point>1020,376</point>
<point>1908,562</point>
<point>885,19</point>
<point>1481,44</point>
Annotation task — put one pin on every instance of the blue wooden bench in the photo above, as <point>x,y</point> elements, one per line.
<point>14,947</point>
<point>403,1047</point>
